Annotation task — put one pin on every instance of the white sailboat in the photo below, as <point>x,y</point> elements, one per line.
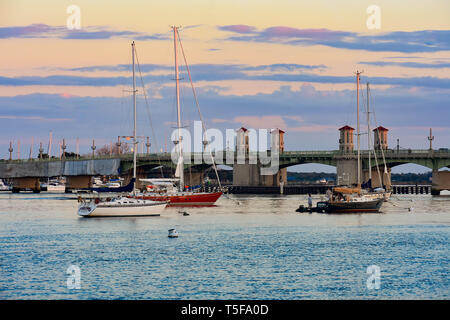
<point>121,206</point>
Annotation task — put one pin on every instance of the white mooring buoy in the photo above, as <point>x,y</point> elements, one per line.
<point>173,233</point>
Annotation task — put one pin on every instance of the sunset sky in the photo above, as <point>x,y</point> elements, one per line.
<point>258,64</point>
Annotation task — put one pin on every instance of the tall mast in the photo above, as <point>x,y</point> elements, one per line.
<point>49,149</point>
<point>368,133</point>
<point>357,130</point>
<point>31,148</point>
<point>134,114</point>
<point>179,142</point>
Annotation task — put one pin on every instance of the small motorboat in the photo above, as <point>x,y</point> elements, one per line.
<point>3,186</point>
<point>56,186</point>
<point>173,233</point>
<point>321,207</point>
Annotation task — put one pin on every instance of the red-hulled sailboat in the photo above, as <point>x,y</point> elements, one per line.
<point>187,198</point>
<point>165,189</point>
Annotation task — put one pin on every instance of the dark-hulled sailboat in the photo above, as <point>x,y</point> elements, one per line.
<point>350,200</point>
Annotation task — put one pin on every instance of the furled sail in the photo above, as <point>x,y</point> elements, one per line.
<point>179,166</point>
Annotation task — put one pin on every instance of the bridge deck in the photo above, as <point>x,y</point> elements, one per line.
<point>117,164</point>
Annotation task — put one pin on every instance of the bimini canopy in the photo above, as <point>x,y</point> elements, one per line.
<point>160,181</point>
<point>347,190</point>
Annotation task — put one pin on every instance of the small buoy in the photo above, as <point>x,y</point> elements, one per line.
<point>173,233</point>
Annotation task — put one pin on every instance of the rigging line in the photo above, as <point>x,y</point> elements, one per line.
<point>124,124</point>
<point>198,107</point>
<point>378,131</point>
<point>370,138</point>
<point>148,111</point>
<point>376,161</point>
<point>373,150</point>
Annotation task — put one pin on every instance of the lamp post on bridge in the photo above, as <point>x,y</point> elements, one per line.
<point>10,150</point>
<point>41,151</point>
<point>93,148</point>
<point>64,147</point>
<point>118,144</point>
<point>431,138</point>
<point>148,144</point>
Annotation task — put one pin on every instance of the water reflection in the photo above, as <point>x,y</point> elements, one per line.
<point>257,249</point>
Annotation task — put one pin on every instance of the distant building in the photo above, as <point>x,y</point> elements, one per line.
<point>380,138</point>
<point>242,145</point>
<point>346,139</point>
<point>277,140</point>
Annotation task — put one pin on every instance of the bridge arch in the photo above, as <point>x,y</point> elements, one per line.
<point>312,166</point>
<point>326,162</point>
<point>313,172</point>
<point>392,163</point>
<point>430,163</point>
<point>410,167</point>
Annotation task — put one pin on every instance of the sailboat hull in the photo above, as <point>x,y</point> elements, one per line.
<point>92,210</point>
<point>354,207</point>
<point>185,199</point>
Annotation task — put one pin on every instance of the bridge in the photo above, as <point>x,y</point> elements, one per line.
<point>25,174</point>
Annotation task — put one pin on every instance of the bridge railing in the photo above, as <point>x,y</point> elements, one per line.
<point>442,152</point>
<point>309,153</point>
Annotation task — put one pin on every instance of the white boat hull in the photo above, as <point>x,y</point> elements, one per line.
<point>56,188</point>
<point>132,210</point>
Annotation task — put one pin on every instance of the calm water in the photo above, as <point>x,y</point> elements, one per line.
<point>257,249</point>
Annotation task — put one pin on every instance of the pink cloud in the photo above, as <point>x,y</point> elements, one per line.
<point>275,121</point>
<point>262,122</point>
<point>314,128</point>
<point>35,118</point>
<point>287,32</point>
<point>65,95</point>
<point>217,120</point>
<point>296,118</point>
<point>239,28</point>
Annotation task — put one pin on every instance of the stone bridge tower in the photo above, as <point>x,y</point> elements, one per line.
<point>380,138</point>
<point>346,139</point>
<point>346,168</point>
<point>249,174</point>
